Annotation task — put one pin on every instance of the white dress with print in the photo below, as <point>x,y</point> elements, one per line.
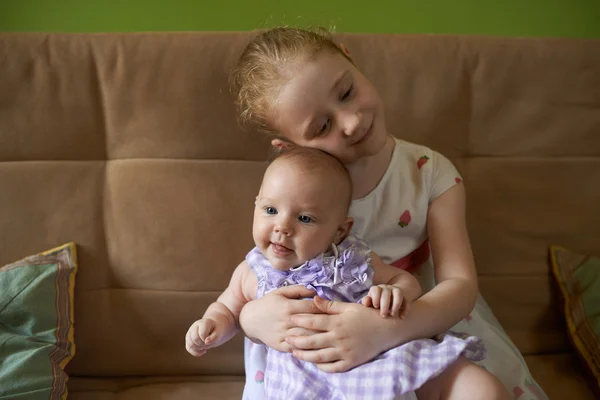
<point>392,220</point>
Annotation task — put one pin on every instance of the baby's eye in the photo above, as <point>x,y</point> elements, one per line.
<point>271,210</point>
<point>347,93</point>
<point>305,219</point>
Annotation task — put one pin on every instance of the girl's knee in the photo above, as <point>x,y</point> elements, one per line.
<point>474,382</point>
<point>490,387</point>
<point>464,380</point>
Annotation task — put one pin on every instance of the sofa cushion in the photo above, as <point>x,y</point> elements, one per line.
<point>36,324</point>
<point>158,388</point>
<point>578,276</point>
<point>559,374</point>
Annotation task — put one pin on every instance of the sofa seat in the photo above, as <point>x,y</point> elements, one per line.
<point>560,373</point>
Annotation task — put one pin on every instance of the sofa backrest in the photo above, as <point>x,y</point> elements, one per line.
<point>128,145</point>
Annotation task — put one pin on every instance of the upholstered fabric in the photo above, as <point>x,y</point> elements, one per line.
<point>132,139</point>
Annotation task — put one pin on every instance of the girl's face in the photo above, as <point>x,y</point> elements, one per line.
<point>329,104</point>
<point>297,216</point>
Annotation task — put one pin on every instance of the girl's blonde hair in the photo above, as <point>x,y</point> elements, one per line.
<point>266,64</point>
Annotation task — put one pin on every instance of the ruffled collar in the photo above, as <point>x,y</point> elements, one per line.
<point>338,266</point>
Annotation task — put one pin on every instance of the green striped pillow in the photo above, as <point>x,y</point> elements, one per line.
<point>36,324</point>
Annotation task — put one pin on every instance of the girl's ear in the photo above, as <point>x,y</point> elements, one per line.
<point>282,145</point>
<point>345,50</point>
<point>343,230</point>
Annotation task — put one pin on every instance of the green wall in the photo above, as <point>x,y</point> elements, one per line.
<point>570,18</point>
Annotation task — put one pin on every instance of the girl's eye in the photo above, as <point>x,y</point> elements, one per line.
<point>305,219</point>
<point>324,128</point>
<point>347,93</point>
<point>271,210</point>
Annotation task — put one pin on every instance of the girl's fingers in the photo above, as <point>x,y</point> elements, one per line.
<point>336,366</point>
<point>294,292</point>
<point>320,322</point>
<point>312,342</point>
<point>296,331</point>
<point>327,355</point>
<point>303,307</point>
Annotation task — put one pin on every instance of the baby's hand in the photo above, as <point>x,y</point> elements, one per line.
<point>388,299</point>
<point>201,336</point>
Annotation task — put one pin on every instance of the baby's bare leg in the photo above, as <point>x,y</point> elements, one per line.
<point>463,380</point>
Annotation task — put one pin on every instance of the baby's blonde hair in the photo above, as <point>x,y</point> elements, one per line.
<point>322,165</point>
<point>266,64</point>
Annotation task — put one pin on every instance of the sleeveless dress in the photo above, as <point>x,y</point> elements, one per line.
<point>344,274</point>
<point>392,219</point>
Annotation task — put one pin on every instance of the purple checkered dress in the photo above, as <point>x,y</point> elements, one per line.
<point>346,275</point>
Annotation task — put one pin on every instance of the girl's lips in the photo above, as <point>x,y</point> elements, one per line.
<point>367,135</point>
<point>280,250</point>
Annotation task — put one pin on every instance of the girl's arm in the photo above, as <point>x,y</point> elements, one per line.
<point>220,321</point>
<point>268,320</point>
<point>456,290</point>
<point>353,334</point>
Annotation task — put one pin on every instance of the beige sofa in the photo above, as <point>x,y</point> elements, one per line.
<point>127,144</point>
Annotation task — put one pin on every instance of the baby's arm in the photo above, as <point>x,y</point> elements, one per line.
<point>393,289</point>
<point>220,321</point>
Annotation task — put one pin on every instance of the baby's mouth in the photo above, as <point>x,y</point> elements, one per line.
<point>281,250</point>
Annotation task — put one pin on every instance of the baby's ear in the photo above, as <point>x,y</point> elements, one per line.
<point>344,229</point>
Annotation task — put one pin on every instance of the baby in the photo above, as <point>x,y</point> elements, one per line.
<point>301,230</point>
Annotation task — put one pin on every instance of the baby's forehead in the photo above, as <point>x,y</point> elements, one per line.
<point>321,182</point>
<point>315,170</point>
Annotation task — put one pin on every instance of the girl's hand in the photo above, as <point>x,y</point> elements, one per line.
<point>388,299</point>
<point>269,319</point>
<point>350,335</point>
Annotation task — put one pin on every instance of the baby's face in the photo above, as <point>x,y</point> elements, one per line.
<point>297,215</point>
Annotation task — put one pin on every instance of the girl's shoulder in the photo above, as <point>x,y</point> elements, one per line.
<point>423,167</point>
<point>413,152</point>
<point>419,157</point>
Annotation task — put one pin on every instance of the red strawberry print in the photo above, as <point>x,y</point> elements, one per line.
<point>259,377</point>
<point>517,392</point>
<point>468,318</point>
<point>422,160</point>
<point>457,180</point>
<point>404,219</point>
